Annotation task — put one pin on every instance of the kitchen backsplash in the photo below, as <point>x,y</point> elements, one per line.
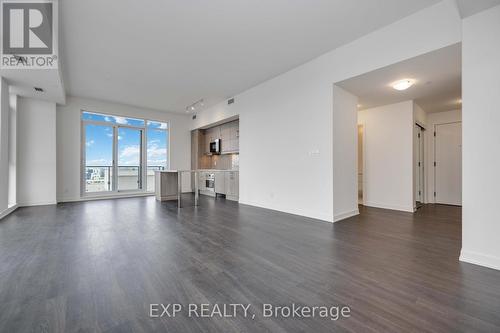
<point>222,162</point>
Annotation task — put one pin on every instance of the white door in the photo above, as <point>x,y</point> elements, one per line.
<point>448,163</point>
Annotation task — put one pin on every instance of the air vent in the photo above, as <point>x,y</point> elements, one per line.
<point>38,89</point>
<point>230,101</point>
<point>194,117</point>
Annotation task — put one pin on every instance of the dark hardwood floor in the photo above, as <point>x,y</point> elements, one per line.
<point>97,266</point>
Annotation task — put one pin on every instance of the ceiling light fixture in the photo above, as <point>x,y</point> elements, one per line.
<point>192,107</point>
<point>403,84</point>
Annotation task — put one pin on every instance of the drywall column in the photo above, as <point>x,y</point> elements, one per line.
<point>480,138</point>
<point>4,146</point>
<point>388,174</point>
<point>12,151</point>
<point>345,154</point>
<point>36,152</point>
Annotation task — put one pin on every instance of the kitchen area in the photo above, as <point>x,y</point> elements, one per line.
<point>215,154</point>
<point>214,166</point>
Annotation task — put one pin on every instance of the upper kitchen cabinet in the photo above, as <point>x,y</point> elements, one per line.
<point>229,135</point>
<point>211,134</point>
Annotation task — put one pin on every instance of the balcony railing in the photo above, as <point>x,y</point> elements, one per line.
<point>99,178</point>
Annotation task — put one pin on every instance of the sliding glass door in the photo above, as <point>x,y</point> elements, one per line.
<point>130,159</point>
<point>121,154</point>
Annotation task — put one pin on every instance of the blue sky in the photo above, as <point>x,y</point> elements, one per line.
<point>99,142</point>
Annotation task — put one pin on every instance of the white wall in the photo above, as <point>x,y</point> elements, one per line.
<point>345,157</point>
<point>389,156</point>
<point>287,121</point>
<point>4,145</point>
<point>69,137</point>
<point>36,152</point>
<point>13,150</point>
<point>481,138</point>
<point>420,115</point>
<point>434,119</point>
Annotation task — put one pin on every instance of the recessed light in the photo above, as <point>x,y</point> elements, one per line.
<point>403,84</point>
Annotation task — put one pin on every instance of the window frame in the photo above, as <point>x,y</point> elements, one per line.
<point>144,163</point>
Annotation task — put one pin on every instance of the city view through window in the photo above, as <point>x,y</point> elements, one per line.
<point>121,154</point>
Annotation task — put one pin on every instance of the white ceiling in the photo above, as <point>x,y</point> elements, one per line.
<point>471,7</point>
<point>167,54</point>
<point>23,82</point>
<point>437,87</point>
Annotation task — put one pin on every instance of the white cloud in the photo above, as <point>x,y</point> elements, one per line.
<point>116,119</point>
<point>121,120</point>
<point>130,155</point>
<point>89,143</point>
<point>163,126</point>
<point>157,156</point>
<point>120,137</point>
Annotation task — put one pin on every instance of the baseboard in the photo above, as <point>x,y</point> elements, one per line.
<point>480,259</point>
<point>36,203</point>
<point>392,207</point>
<point>299,212</point>
<point>7,211</point>
<point>343,216</point>
<point>104,197</point>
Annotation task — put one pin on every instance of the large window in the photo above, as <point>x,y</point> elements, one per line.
<point>121,154</point>
<point>156,153</point>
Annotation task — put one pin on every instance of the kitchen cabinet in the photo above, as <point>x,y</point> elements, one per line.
<point>225,131</point>
<point>220,182</point>
<point>202,176</point>
<point>208,139</point>
<point>166,185</point>
<point>225,182</point>
<point>230,137</point>
<point>211,134</point>
<point>235,136</point>
<point>232,185</point>
<point>228,133</point>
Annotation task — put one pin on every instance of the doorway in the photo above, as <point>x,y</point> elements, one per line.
<point>399,105</point>
<point>448,163</point>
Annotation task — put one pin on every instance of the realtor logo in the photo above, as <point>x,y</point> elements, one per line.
<point>28,32</point>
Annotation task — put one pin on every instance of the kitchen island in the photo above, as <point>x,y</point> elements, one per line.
<point>168,184</point>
